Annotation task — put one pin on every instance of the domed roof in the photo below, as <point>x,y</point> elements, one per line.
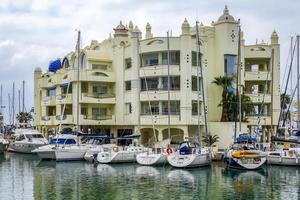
<point>120,30</point>
<point>226,17</point>
<point>38,69</point>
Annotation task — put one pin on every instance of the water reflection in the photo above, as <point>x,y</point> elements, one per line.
<point>25,177</point>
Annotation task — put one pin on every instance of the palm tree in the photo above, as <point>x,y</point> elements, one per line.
<point>285,100</point>
<point>211,139</point>
<point>246,106</point>
<point>225,83</point>
<point>24,117</point>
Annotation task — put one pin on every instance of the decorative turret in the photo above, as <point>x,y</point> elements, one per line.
<point>274,38</point>
<point>136,32</point>
<point>120,31</point>
<point>226,17</point>
<point>130,26</point>
<point>148,31</point>
<point>185,27</point>
<point>93,44</point>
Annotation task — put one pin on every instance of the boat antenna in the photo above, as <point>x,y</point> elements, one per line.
<point>200,76</point>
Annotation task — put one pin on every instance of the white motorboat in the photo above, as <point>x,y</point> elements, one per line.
<point>156,156</point>
<point>66,147</point>
<point>3,144</point>
<point>26,140</point>
<point>190,154</point>
<point>119,154</point>
<point>244,155</point>
<point>288,157</point>
<point>91,154</point>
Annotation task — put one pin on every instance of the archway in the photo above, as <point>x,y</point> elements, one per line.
<point>177,135</point>
<point>147,136</point>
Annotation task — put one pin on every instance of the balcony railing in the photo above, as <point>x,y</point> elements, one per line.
<point>99,96</point>
<point>46,98</point>
<point>45,118</point>
<point>98,117</point>
<point>161,113</point>
<point>61,117</point>
<point>160,89</point>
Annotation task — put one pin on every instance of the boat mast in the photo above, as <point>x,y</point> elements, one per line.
<point>13,104</point>
<point>238,104</point>
<point>23,96</point>
<point>9,109</point>
<point>169,106</point>
<point>298,91</point>
<point>78,77</point>
<point>291,124</point>
<point>200,75</point>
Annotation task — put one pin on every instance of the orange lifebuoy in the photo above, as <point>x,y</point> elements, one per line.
<point>169,150</point>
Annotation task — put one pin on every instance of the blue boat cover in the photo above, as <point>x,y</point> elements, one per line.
<point>54,65</point>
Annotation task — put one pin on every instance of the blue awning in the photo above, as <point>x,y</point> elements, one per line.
<point>51,88</point>
<point>65,85</point>
<point>54,65</point>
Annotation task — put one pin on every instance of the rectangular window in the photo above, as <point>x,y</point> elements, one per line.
<point>174,58</point>
<point>127,85</point>
<point>194,58</point>
<point>100,89</point>
<point>195,107</point>
<point>194,83</point>
<point>51,110</point>
<point>174,83</point>
<point>229,65</point>
<point>146,109</point>
<point>51,92</point>
<point>128,108</point>
<point>99,113</point>
<point>150,59</point>
<point>174,107</point>
<point>99,67</point>
<point>128,63</point>
<point>83,110</point>
<point>149,84</point>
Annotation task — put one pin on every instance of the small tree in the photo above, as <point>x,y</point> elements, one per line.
<point>212,139</point>
<point>24,117</point>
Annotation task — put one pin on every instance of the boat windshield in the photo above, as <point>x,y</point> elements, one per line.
<point>62,141</point>
<point>30,136</point>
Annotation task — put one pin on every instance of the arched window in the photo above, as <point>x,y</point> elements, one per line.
<point>84,61</point>
<point>65,63</point>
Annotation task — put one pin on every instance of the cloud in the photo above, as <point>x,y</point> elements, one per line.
<point>33,32</point>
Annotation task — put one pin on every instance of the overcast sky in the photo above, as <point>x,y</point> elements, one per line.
<point>35,31</point>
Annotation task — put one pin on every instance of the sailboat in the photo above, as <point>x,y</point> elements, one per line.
<point>243,154</point>
<point>192,153</point>
<point>289,153</point>
<point>158,155</point>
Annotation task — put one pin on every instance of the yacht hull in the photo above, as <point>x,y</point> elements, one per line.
<point>119,157</point>
<point>151,159</point>
<point>3,147</point>
<point>70,154</point>
<point>23,147</point>
<point>245,163</point>
<point>283,160</point>
<point>189,161</point>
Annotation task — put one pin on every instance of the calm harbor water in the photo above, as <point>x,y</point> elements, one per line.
<point>25,177</point>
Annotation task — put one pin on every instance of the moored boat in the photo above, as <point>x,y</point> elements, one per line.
<point>156,156</point>
<point>3,144</point>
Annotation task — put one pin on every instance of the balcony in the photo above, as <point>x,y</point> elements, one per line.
<point>64,119</point>
<point>98,98</point>
<point>48,100</point>
<point>253,119</point>
<point>159,70</point>
<point>258,51</point>
<point>257,75</point>
<point>97,120</point>
<point>159,119</point>
<point>47,120</point>
<point>195,120</point>
<point>259,97</point>
<point>159,95</point>
<point>64,99</point>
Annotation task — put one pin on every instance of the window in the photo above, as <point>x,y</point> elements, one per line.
<point>174,58</point>
<point>195,107</point>
<point>229,63</point>
<point>100,89</point>
<point>51,92</point>
<point>149,84</point>
<point>174,107</point>
<point>83,110</point>
<point>99,113</point>
<point>128,108</point>
<point>174,83</point>
<point>99,67</point>
<point>146,109</point>
<point>51,111</point>
<point>128,63</point>
<point>194,83</point>
<point>150,59</point>
<point>127,85</point>
<point>84,62</point>
<point>194,58</point>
